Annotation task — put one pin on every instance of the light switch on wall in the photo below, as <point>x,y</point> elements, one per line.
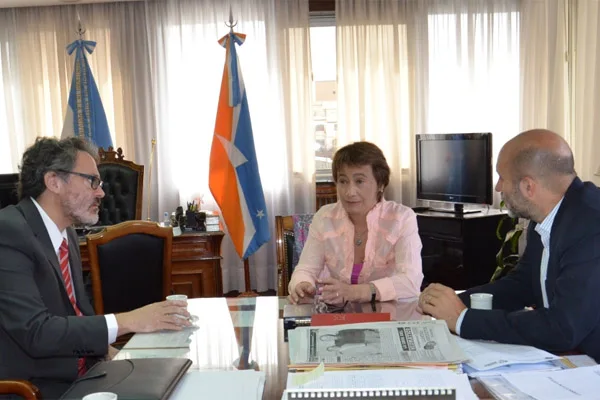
<point>597,173</point>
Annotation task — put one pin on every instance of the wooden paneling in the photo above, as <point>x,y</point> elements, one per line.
<point>196,264</point>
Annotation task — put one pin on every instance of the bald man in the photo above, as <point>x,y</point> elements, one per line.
<point>559,272</point>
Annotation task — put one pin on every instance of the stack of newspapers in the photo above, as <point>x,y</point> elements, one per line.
<point>396,344</point>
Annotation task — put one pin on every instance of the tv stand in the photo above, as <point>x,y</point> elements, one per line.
<point>459,250</point>
<point>459,209</point>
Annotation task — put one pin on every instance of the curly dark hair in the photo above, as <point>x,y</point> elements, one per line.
<point>359,154</point>
<point>49,154</point>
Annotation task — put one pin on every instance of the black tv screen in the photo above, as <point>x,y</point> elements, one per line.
<point>455,167</point>
<point>8,189</point>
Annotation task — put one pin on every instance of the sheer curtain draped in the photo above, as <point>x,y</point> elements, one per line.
<point>158,67</point>
<point>187,65</point>
<point>560,75</point>
<point>412,67</point>
<point>36,71</point>
<point>585,138</point>
<point>376,90</point>
<point>544,72</point>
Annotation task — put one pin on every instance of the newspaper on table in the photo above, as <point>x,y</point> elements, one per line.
<point>399,343</point>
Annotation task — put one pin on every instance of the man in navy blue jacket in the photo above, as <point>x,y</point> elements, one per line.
<point>558,274</point>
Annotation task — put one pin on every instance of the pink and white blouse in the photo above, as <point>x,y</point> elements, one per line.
<point>392,253</point>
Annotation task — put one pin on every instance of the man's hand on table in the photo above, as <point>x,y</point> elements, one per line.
<point>155,317</point>
<point>441,302</point>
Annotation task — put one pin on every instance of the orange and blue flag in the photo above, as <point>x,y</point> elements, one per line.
<point>234,179</point>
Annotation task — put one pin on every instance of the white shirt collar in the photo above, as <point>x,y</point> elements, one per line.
<point>56,236</point>
<point>545,227</point>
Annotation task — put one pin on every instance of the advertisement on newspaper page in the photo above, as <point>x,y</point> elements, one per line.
<point>398,342</point>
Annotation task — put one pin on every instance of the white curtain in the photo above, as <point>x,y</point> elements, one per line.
<point>376,90</point>
<point>544,70</point>
<point>35,73</point>
<point>585,138</point>
<point>187,65</point>
<point>158,67</point>
<point>408,67</point>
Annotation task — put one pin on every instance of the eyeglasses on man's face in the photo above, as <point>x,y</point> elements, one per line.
<point>94,180</point>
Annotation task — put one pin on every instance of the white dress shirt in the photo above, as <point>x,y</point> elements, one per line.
<point>543,229</point>
<point>56,237</point>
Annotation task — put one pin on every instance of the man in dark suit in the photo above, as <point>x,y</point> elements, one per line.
<point>48,331</point>
<point>558,274</point>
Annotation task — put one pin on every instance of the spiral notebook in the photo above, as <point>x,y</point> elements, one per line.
<point>373,394</point>
<point>381,384</point>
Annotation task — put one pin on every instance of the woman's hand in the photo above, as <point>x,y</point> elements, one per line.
<point>336,292</point>
<point>303,289</point>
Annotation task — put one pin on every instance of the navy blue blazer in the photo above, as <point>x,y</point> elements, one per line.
<point>572,320</point>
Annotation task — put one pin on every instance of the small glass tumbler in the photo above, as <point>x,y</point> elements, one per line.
<point>320,305</point>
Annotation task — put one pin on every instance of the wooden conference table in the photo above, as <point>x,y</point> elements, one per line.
<point>229,327</point>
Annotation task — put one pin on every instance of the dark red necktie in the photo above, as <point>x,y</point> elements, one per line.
<point>63,255</point>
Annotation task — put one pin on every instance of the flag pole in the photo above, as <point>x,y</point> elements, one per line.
<point>149,198</point>
<point>248,292</point>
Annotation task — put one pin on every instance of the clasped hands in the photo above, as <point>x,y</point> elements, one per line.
<point>441,302</point>
<point>332,291</point>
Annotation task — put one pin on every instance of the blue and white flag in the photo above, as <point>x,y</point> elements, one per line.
<point>85,115</point>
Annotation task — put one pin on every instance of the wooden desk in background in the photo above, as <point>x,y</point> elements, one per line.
<point>196,263</point>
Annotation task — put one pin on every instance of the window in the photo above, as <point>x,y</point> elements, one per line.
<point>324,113</point>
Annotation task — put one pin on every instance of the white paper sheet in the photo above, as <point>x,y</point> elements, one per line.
<point>222,385</point>
<point>488,355</point>
<point>390,378</point>
<point>160,340</point>
<point>576,383</point>
<point>510,369</point>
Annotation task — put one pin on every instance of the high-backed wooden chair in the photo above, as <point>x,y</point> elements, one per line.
<point>326,194</point>
<point>290,235</point>
<point>24,389</point>
<point>123,187</point>
<point>130,265</point>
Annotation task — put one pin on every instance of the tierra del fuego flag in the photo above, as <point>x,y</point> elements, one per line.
<point>85,114</point>
<point>234,179</point>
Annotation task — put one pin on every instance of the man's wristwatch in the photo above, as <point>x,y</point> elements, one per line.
<point>373,292</point>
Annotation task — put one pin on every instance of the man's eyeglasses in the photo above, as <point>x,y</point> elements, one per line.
<point>94,180</point>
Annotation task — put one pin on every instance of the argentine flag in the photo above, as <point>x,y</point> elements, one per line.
<point>85,115</point>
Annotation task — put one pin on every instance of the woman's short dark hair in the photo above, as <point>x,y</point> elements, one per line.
<point>359,154</point>
<point>49,154</point>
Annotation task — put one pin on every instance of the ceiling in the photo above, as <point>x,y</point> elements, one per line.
<point>31,3</point>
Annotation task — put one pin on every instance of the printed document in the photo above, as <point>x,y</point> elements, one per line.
<point>484,356</point>
<point>392,343</point>
<point>576,383</point>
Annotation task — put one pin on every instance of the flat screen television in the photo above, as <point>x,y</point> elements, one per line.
<point>8,189</point>
<point>455,167</point>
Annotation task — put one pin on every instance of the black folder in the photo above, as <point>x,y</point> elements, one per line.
<point>136,379</point>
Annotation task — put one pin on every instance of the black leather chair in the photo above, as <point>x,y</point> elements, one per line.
<point>130,265</point>
<point>123,188</point>
<point>8,189</point>
<point>24,389</point>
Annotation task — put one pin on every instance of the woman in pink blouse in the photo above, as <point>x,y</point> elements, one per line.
<point>361,248</point>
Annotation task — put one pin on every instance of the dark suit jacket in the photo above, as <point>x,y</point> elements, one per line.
<point>41,338</point>
<point>572,321</point>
